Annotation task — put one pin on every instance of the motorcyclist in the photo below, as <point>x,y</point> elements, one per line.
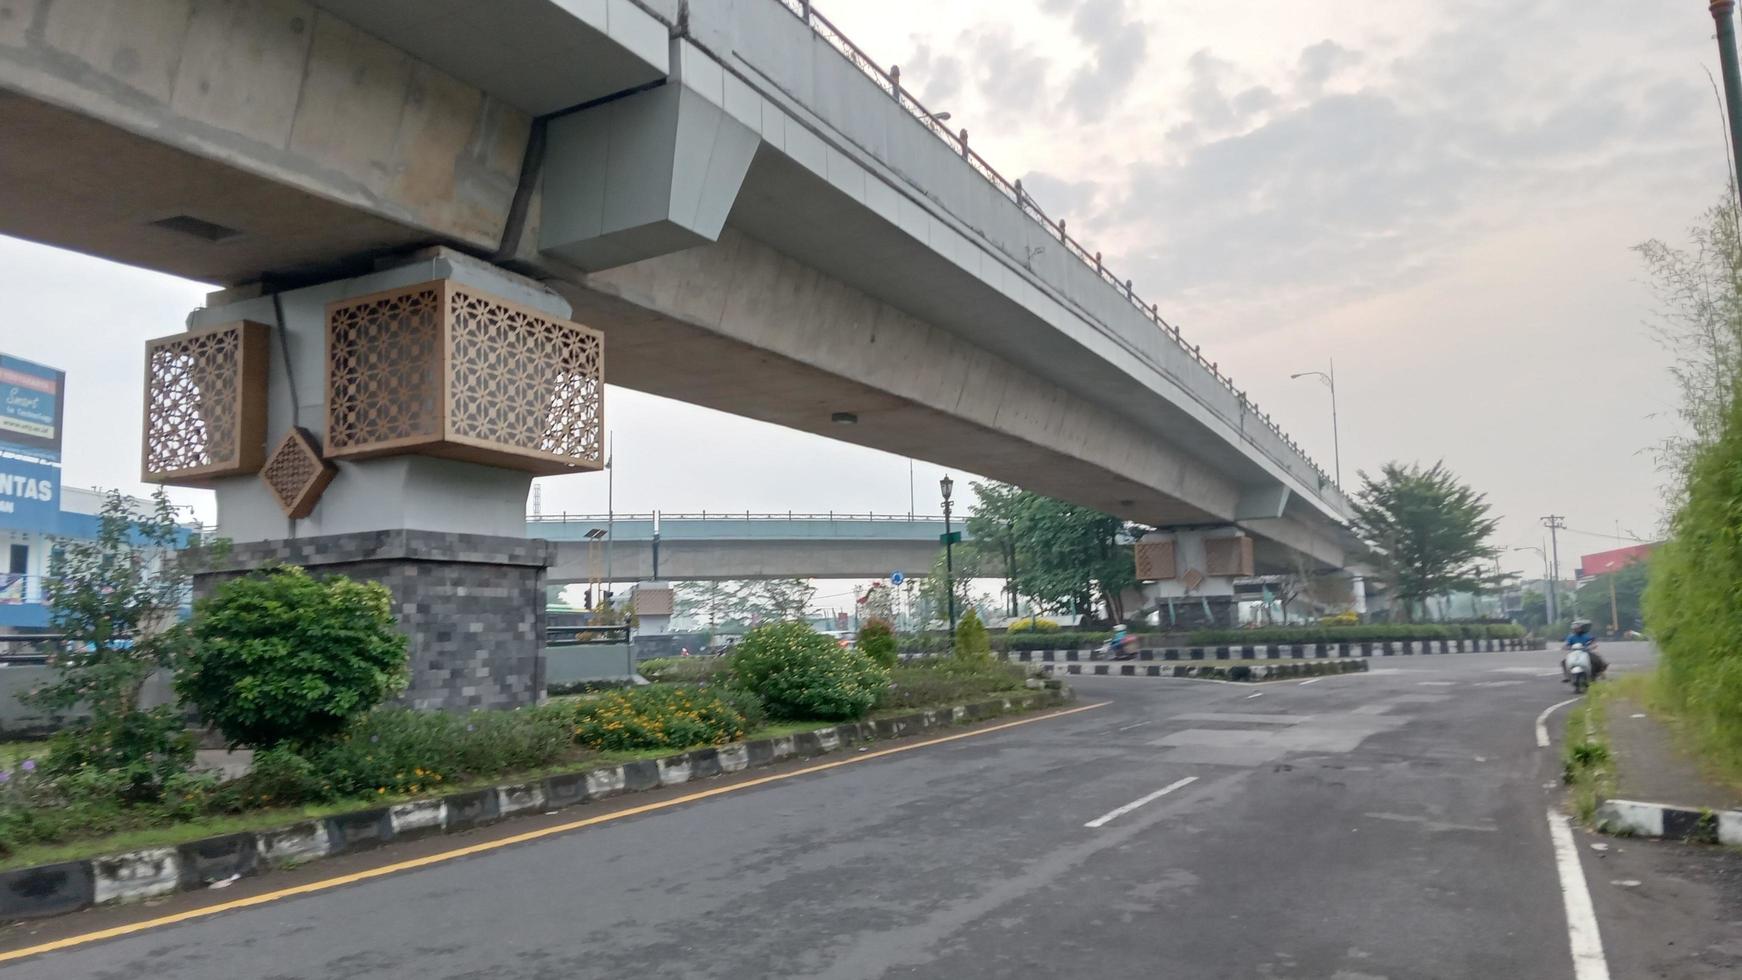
<point>1120,639</point>
<point>1581,636</point>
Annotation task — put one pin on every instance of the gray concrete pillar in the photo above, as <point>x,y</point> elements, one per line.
<point>404,415</point>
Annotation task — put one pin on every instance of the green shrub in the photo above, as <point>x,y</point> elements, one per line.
<point>1034,624</point>
<point>657,717</point>
<point>935,681</point>
<point>140,751</point>
<point>682,670</point>
<point>971,641</point>
<point>398,750</point>
<point>800,673</point>
<point>877,641</point>
<point>279,657</point>
<point>1062,640</point>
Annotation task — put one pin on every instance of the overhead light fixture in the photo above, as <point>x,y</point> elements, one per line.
<point>844,418</point>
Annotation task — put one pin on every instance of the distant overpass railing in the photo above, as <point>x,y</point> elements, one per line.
<point>890,82</point>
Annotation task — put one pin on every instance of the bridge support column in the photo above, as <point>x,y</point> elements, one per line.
<point>387,427</point>
<point>1189,575</point>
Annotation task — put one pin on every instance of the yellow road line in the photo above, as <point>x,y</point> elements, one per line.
<point>480,848</point>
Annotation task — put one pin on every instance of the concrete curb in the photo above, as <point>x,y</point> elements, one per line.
<point>1287,651</point>
<point>55,889</point>
<point>1630,818</point>
<point>1235,673</point>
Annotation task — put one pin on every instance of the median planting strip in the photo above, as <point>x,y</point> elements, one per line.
<point>68,886</point>
<point>1234,673</point>
<point>1287,651</point>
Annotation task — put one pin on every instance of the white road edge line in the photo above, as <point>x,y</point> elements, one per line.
<point>1138,725</point>
<point>1542,722</point>
<point>1582,935</point>
<point>1315,680</point>
<point>1255,694</point>
<point>1112,815</point>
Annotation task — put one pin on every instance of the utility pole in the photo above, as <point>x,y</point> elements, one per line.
<point>1723,17</point>
<point>1010,566</point>
<point>1554,523</point>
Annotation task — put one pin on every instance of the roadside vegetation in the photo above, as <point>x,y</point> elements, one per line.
<point>300,671</point>
<point>1695,578</point>
<point>1587,764</point>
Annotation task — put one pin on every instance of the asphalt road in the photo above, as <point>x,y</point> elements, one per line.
<point>1387,825</point>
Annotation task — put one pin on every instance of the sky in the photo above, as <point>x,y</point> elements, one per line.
<point>1441,197</point>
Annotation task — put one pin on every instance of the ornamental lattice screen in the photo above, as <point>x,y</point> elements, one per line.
<point>443,369</point>
<point>205,404</point>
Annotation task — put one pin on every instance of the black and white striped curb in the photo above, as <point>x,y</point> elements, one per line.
<point>1286,651</point>
<point>1237,673</point>
<point>1634,819</point>
<point>54,889</point>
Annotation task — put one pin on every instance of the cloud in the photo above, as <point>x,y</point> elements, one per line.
<point>940,76</point>
<point>1320,62</point>
<point>1118,44</point>
<point>1011,77</point>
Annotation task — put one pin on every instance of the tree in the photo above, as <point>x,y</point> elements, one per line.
<point>745,602</point>
<point>1068,558</point>
<point>774,600</point>
<point>1700,325</point>
<point>115,599</point>
<point>934,593</point>
<point>1427,532</point>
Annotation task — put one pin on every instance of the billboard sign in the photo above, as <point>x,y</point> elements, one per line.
<point>29,495</point>
<point>31,407</point>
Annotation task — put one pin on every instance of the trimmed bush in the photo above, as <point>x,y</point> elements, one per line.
<point>947,680</point>
<point>800,673</point>
<point>398,750</point>
<point>877,641</point>
<point>1061,640</point>
<point>1033,624</point>
<point>971,641</point>
<point>682,670</point>
<point>658,717</point>
<point>282,658</point>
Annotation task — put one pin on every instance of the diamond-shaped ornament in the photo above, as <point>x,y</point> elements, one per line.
<point>296,474</point>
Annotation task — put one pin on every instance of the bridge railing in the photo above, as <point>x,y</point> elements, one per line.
<point>890,82</point>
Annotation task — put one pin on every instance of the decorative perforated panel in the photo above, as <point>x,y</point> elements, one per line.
<point>1226,557</point>
<point>205,404</point>
<point>445,370</point>
<point>1155,561</point>
<point>296,474</point>
<point>384,364</point>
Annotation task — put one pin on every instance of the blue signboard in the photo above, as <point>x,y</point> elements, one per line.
<point>29,496</point>
<point>32,406</point>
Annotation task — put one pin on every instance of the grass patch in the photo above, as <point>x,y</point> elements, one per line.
<point>1585,756</point>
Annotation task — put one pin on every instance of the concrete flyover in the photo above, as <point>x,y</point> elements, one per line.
<point>689,547</point>
<point>759,217</point>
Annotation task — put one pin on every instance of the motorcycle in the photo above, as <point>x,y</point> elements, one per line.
<point>1579,667</point>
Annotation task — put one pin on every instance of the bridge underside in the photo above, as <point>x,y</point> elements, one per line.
<point>326,148</point>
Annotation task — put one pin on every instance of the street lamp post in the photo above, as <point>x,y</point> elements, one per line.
<point>1330,380</point>
<point>946,485</point>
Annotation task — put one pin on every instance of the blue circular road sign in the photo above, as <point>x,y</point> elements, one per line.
<point>896,578</point>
